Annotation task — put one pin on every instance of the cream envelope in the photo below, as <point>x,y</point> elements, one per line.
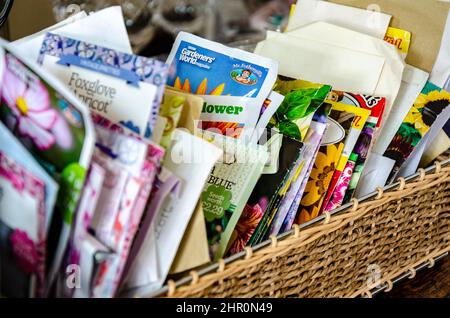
<point>105,28</point>
<point>301,58</point>
<point>391,75</point>
<point>412,84</point>
<point>376,174</point>
<point>372,23</point>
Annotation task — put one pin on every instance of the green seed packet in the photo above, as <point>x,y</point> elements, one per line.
<point>229,187</point>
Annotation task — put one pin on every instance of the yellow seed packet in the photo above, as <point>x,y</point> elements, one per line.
<point>401,39</point>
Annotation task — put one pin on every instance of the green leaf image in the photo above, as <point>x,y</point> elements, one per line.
<point>290,129</point>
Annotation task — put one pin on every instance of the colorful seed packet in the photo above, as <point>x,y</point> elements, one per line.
<point>325,165</point>
<point>12,148</point>
<point>124,88</point>
<point>56,128</point>
<point>313,140</point>
<point>229,187</point>
<point>84,215</point>
<point>376,105</point>
<point>233,83</point>
<point>427,107</point>
<point>271,188</point>
<point>301,101</point>
<point>171,109</point>
<point>342,185</point>
<point>22,231</point>
<point>360,119</point>
<point>361,150</point>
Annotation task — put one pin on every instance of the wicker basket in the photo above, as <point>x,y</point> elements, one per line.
<point>389,233</point>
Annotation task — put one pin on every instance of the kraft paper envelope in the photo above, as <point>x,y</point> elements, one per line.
<point>412,84</point>
<point>391,75</point>
<point>193,251</point>
<point>425,19</point>
<point>105,28</point>
<point>324,63</point>
<point>372,23</point>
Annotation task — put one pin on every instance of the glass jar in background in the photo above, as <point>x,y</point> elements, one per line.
<point>62,9</point>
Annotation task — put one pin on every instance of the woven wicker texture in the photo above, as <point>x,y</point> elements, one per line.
<point>391,234</point>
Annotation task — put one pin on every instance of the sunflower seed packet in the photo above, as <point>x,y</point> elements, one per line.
<point>325,165</point>
<point>421,116</point>
<point>229,187</point>
<point>234,83</point>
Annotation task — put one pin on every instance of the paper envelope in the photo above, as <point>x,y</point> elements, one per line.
<point>326,53</point>
<point>193,251</point>
<point>376,174</point>
<point>191,159</point>
<point>105,27</point>
<point>391,74</point>
<point>324,63</point>
<point>425,19</point>
<point>412,84</point>
<point>366,21</point>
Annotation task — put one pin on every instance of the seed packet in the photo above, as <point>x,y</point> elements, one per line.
<point>421,116</point>
<point>313,140</point>
<point>401,39</point>
<point>142,267</point>
<point>360,119</point>
<point>233,83</point>
<point>191,111</point>
<point>22,231</point>
<point>342,185</point>
<point>124,88</point>
<point>301,101</point>
<point>270,106</point>
<point>228,188</point>
<point>326,163</point>
<point>171,109</point>
<point>375,104</point>
<point>361,151</point>
<point>271,188</point>
<point>56,128</point>
<point>85,212</point>
<point>190,162</point>
<point>12,148</point>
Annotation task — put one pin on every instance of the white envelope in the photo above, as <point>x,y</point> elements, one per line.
<point>440,75</point>
<point>323,63</point>
<point>304,55</point>
<point>391,75</point>
<point>375,174</point>
<point>191,159</point>
<point>372,23</point>
<point>105,28</point>
<point>413,82</point>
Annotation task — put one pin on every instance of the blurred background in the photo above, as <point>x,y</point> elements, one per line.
<point>152,24</point>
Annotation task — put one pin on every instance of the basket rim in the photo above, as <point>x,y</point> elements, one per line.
<point>145,292</point>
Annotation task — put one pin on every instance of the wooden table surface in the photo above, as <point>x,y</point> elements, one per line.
<point>429,283</point>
